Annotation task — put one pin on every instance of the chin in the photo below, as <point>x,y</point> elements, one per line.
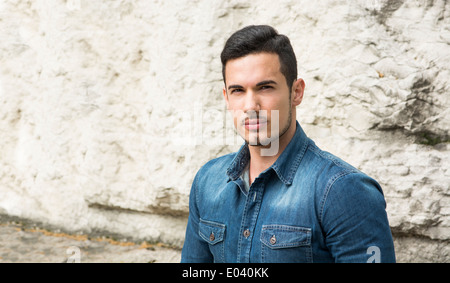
<point>259,140</point>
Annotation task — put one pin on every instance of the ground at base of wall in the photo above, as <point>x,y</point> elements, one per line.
<point>19,244</point>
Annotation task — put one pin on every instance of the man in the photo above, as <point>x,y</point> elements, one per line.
<point>279,198</point>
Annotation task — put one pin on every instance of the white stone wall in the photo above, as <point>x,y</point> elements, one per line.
<point>108,108</point>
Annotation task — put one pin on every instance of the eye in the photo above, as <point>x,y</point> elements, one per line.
<point>266,87</point>
<point>236,90</point>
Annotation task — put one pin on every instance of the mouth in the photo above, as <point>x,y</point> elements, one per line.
<point>254,124</point>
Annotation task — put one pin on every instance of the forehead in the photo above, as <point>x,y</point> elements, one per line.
<point>253,68</point>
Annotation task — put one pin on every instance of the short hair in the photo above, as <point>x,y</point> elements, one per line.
<point>257,39</point>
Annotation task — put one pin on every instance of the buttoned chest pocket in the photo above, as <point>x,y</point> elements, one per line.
<point>282,243</point>
<point>213,233</point>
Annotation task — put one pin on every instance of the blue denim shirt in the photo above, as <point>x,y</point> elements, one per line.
<point>309,206</point>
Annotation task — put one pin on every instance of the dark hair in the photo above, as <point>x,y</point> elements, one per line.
<point>262,38</point>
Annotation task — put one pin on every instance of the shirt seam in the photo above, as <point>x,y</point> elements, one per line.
<point>330,184</point>
<point>298,160</point>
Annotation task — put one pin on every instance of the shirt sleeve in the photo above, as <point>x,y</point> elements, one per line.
<point>355,222</point>
<point>195,249</point>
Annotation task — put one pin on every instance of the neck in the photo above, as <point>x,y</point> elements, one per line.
<point>260,162</point>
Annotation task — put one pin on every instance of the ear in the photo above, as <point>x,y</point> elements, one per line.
<point>298,87</point>
<point>225,95</point>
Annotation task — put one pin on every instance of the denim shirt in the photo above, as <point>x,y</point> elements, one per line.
<point>309,206</point>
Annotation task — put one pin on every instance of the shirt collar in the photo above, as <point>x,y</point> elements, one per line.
<point>285,166</point>
<point>239,163</point>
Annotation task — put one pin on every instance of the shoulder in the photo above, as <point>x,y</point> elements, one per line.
<point>339,180</point>
<point>334,170</point>
<point>217,164</point>
<point>352,192</point>
<point>323,167</point>
<point>355,186</point>
<point>214,169</point>
<point>330,160</point>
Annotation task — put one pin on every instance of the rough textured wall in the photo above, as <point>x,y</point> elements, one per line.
<point>108,108</point>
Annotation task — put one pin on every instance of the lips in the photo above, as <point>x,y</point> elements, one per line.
<point>254,124</point>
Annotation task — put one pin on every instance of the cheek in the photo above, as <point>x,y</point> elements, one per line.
<point>237,116</point>
<point>282,107</point>
<point>233,104</point>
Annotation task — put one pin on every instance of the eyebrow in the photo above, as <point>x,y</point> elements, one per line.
<point>235,86</point>
<point>266,82</point>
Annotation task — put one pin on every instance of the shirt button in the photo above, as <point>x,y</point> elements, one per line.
<point>211,237</point>
<point>273,240</point>
<point>246,233</point>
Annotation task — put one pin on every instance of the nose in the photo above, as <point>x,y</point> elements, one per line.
<point>251,102</point>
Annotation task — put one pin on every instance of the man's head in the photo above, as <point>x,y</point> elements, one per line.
<point>257,39</point>
<point>261,85</point>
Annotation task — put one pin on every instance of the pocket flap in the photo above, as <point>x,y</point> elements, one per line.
<point>283,236</point>
<point>212,232</point>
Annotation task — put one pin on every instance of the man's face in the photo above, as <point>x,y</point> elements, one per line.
<point>258,98</point>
